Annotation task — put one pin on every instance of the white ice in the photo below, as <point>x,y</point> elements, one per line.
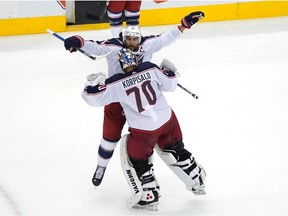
<point>237,129</point>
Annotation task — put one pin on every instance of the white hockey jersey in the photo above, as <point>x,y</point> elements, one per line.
<point>139,93</point>
<point>148,45</point>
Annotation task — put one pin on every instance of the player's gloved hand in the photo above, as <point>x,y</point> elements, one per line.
<point>168,65</point>
<point>192,18</point>
<point>73,43</point>
<point>95,79</point>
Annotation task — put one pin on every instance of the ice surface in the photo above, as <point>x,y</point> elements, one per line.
<point>237,129</point>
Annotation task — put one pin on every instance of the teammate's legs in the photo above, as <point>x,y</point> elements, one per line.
<point>114,121</point>
<point>115,10</point>
<point>132,12</point>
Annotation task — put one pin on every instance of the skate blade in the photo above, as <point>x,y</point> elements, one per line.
<point>147,207</point>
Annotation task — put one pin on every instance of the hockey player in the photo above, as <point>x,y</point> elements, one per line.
<point>151,121</point>
<point>115,10</point>
<point>144,47</point>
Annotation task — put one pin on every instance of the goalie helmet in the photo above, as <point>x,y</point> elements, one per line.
<point>127,58</point>
<point>132,31</point>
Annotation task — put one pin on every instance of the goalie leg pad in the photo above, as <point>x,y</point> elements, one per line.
<point>188,170</point>
<point>144,188</point>
<point>130,174</point>
<point>141,180</point>
<point>150,161</point>
<point>150,197</point>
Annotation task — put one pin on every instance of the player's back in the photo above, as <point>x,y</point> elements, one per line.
<point>140,94</point>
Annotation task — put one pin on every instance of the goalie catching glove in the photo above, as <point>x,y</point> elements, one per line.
<point>95,79</point>
<point>168,65</point>
<point>191,19</point>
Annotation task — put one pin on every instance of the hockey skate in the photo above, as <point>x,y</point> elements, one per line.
<point>149,201</point>
<point>98,175</point>
<point>150,195</point>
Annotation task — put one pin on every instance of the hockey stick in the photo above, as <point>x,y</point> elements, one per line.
<point>189,92</point>
<point>168,65</point>
<point>78,49</point>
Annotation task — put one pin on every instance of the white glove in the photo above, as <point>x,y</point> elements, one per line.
<point>168,65</point>
<point>95,79</point>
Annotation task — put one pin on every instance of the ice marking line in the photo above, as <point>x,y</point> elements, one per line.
<point>10,201</point>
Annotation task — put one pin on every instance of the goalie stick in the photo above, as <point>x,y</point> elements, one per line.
<point>168,65</point>
<point>78,49</point>
<point>189,92</point>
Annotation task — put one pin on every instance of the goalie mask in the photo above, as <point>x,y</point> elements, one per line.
<point>126,58</point>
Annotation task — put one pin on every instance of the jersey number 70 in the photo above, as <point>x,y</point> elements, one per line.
<point>147,90</point>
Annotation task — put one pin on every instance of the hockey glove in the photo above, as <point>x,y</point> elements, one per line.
<point>168,65</point>
<point>73,43</point>
<point>191,19</point>
<point>95,79</point>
